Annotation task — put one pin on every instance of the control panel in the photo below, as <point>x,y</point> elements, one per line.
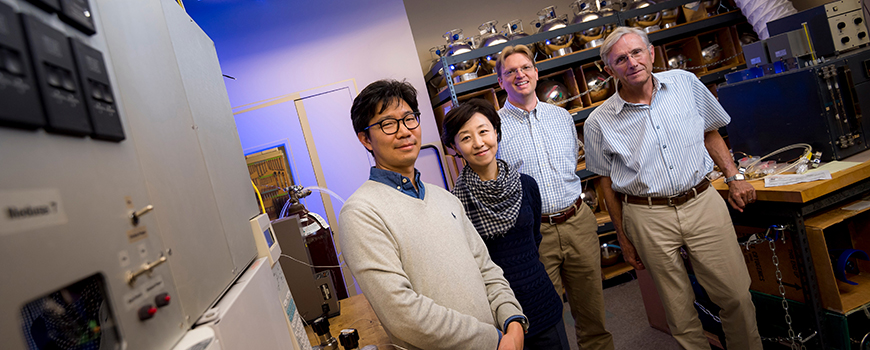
<point>848,30</point>
<point>51,80</point>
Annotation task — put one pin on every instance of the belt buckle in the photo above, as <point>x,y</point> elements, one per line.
<point>671,200</point>
<point>551,216</point>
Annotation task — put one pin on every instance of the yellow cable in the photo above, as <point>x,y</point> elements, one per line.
<point>810,42</point>
<point>262,207</point>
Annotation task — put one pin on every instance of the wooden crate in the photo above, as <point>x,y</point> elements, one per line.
<point>723,38</point>
<point>689,47</point>
<point>735,39</point>
<point>840,229</point>
<point>660,64</point>
<point>587,72</point>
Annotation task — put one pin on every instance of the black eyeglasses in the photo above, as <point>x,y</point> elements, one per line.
<point>390,126</point>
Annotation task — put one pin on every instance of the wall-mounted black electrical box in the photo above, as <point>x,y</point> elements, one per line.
<point>65,111</point>
<point>19,98</point>
<point>47,5</point>
<point>77,13</point>
<point>97,91</point>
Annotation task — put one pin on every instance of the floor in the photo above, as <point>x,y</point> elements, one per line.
<point>626,319</point>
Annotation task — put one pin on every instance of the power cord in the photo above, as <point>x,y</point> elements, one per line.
<point>309,265</point>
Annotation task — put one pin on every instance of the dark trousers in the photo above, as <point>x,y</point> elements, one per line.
<point>553,338</point>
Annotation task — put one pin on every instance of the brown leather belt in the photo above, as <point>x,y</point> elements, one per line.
<point>672,201</point>
<point>564,215</point>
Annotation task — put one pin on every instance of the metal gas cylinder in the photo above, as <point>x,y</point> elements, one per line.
<point>514,29</point>
<point>648,22</point>
<point>669,17</point>
<point>711,53</point>
<point>551,91</point>
<point>677,61</point>
<point>489,36</point>
<point>457,44</point>
<point>599,86</point>
<point>585,11</point>
<point>548,21</point>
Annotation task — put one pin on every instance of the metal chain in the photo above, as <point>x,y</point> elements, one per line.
<point>715,318</point>
<point>705,65</point>
<point>580,95</point>
<point>792,337</point>
<point>609,78</point>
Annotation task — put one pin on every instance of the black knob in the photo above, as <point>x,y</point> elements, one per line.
<point>859,20</point>
<point>349,338</point>
<point>845,39</point>
<point>841,25</point>
<point>861,35</point>
<point>320,326</point>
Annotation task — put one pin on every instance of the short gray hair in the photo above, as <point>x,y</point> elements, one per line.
<point>615,36</point>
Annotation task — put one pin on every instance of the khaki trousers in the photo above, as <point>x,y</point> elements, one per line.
<point>570,252</point>
<point>704,227</point>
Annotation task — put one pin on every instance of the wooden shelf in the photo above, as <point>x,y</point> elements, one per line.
<point>611,233</point>
<point>615,270</point>
<point>602,217</point>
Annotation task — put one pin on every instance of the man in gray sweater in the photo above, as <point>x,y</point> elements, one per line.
<point>414,253</point>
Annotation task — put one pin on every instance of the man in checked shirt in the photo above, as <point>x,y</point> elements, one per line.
<point>653,143</point>
<point>540,140</point>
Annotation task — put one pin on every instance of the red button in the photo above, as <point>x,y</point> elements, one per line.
<point>162,299</point>
<point>147,312</point>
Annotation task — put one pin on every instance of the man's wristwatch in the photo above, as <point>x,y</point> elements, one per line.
<point>736,177</point>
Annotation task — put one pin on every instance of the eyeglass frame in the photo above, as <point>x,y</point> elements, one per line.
<point>636,54</point>
<point>380,123</point>
<point>513,72</point>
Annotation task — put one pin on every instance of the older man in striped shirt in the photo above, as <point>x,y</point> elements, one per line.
<point>654,142</point>
<point>540,140</point>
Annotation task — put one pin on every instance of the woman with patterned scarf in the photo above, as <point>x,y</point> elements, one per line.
<point>505,208</point>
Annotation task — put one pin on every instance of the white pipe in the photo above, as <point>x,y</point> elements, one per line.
<point>759,12</point>
<point>324,189</point>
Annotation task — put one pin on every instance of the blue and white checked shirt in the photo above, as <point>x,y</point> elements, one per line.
<point>656,150</point>
<point>543,144</point>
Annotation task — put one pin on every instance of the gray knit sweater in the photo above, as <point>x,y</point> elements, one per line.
<point>424,269</point>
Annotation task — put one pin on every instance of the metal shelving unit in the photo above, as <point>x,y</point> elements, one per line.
<point>675,33</point>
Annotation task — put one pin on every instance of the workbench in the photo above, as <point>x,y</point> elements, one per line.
<point>814,205</point>
<point>356,312</point>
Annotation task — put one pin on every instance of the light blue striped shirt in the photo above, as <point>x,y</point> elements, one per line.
<point>543,144</point>
<point>655,150</point>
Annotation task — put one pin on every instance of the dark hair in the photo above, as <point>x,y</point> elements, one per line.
<point>388,93</point>
<point>457,117</point>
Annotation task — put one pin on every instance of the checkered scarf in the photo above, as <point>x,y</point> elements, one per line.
<point>492,206</point>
